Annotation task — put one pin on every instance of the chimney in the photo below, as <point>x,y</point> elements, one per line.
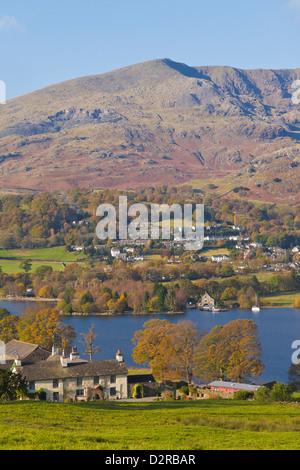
<point>119,356</point>
<point>74,354</point>
<point>64,359</point>
<point>18,361</point>
<point>55,350</point>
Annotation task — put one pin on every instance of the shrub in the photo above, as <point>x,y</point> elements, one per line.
<point>184,390</point>
<point>192,391</point>
<point>137,391</point>
<point>242,395</point>
<point>68,400</point>
<point>262,394</point>
<point>42,394</point>
<point>280,392</point>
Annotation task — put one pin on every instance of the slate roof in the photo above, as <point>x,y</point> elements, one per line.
<point>15,348</point>
<point>140,378</point>
<point>8,365</point>
<point>48,370</point>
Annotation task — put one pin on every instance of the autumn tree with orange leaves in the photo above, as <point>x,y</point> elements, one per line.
<point>41,326</point>
<point>167,348</point>
<point>181,352</point>
<point>230,352</point>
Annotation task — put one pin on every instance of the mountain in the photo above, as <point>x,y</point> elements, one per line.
<point>158,122</point>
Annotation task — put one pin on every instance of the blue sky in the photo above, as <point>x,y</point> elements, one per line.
<point>44,42</point>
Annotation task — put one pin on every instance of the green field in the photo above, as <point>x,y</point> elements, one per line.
<point>285,299</point>
<point>56,253</point>
<point>54,256</point>
<point>167,425</point>
<point>13,266</point>
<point>214,251</point>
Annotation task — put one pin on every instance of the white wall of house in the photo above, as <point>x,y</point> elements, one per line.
<point>115,387</point>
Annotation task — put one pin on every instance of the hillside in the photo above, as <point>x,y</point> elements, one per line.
<point>158,122</point>
<point>171,425</point>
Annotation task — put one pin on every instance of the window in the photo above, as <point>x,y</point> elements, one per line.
<point>79,381</point>
<point>112,391</point>
<point>55,383</point>
<point>79,392</point>
<point>55,396</point>
<point>96,380</point>
<point>112,379</point>
<point>31,386</point>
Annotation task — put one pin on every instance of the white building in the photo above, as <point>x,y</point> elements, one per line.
<point>114,252</point>
<point>219,258</point>
<point>64,377</point>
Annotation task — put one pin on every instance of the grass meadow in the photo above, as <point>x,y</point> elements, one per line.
<point>165,425</point>
<point>55,257</point>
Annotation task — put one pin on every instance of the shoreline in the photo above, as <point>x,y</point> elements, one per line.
<point>27,299</point>
<point>110,314</point>
<point>53,300</point>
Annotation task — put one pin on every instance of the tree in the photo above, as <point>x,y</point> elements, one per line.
<point>45,291</point>
<point>12,385</point>
<point>40,327</point>
<point>232,351</point>
<point>89,340</point>
<point>230,293</point>
<point>186,339</point>
<point>3,313</point>
<point>67,335</point>
<point>8,325</point>
<point>168,348</point>
<point>209,363</point>
<point>294,376</point>
<point>26,265</point>
<point>160,292</point>
<point>9,328</point>
<point>86,298</point>
<point>226,270</point>
<point>153,346</point>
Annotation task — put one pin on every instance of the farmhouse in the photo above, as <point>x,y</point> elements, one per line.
<point>62,377</point>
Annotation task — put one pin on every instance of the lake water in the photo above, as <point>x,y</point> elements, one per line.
<point>278,328</point>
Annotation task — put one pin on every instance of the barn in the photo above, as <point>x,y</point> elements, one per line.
<point>231,387</point>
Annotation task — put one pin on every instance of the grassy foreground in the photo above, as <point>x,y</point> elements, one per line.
<point>167,425</point>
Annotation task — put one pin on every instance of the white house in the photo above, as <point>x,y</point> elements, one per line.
<point>219,258</point>
<point>64,377</point>
<point>115,252</point>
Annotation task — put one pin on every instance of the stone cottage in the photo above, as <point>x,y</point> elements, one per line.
<point>72,377</point>
<point>206,301</point>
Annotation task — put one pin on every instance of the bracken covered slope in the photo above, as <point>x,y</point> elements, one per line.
<point>158,122</point>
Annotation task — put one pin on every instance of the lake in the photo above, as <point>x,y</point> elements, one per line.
<point>278,328</point>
